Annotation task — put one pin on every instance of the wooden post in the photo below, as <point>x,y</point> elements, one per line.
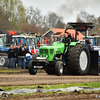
<point>87,32</point>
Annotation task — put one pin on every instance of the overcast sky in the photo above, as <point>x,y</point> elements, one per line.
<point>68,9</point>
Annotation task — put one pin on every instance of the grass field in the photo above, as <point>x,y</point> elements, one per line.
<point>5,70</point>
<point>90,84</point>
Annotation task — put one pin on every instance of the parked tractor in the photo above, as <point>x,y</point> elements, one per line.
<point>95,40</point>
<point>5,42</point>
<point>61,58</point>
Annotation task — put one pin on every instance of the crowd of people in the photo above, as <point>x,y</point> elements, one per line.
<point>17,56</point>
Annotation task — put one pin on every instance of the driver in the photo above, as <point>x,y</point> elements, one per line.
<point>89,44</point>
<point>67,38</point>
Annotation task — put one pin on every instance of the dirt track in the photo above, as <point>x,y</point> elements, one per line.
<point>9,79</point>
<point>42,78</point>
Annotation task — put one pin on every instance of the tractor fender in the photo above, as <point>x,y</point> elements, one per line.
<point>74,43</point>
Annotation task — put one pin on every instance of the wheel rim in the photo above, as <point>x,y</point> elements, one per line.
<point>83,60</point>
<point>35,70</point>
<point>61,69</point>
<point>2,61</point>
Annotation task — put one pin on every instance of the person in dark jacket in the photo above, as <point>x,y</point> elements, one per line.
<point>22,55</point>
<point>89,44</point>
<point>16,55</point>
<point>72,38</point>
<point>67,39</point>
<point>11,57</point>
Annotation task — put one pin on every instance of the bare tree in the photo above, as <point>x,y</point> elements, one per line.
<point>52,20</point>
<point>33,15</point>
<point>84,16</point>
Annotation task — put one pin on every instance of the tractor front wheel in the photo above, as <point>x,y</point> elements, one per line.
<point>59,68</point>
<point>3,60</point>
<point>31,70</point>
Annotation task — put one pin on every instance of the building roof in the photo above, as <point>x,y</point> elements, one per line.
<point>55,31</point>
<point>58,31</point>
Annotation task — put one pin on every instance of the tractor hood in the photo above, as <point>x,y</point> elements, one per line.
<point>51,51</point>
<point>4,49</point>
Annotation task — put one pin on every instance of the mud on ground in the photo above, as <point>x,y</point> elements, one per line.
<point>58,96</point>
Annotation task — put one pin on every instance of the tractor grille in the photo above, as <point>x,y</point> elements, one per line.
<point>58,52</point>
<point>51,51</point>
<point>46,51</point>
<point>43,51</point>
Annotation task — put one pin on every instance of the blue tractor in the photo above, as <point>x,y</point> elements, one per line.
<point>95,40</point>
<point>5,42</point>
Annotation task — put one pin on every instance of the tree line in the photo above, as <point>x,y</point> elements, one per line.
<point>14,16</point>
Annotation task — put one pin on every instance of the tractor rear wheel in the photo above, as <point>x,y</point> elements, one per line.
<point>59,68</point>
<point>3,60</point>
<point>79,59</point>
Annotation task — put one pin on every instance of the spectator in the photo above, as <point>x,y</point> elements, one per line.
<point>89,44</point>
<point>11,57</point>
<point>45,41</point>
<point>38,43</point>
<point>22,55</point>
<point>33,51</point>
<point>16,55</point>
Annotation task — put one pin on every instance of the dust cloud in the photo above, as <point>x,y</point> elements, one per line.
<point>71,8</point>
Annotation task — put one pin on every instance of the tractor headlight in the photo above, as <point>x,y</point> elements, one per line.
<point>47,56</point>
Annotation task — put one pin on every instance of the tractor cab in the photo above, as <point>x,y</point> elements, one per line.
<point>4,44</point>
<point>23,39</point>
<point>82,27</point>
<point>2,40</point>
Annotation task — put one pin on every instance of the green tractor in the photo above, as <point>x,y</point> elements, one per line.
<point>61,58</point>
